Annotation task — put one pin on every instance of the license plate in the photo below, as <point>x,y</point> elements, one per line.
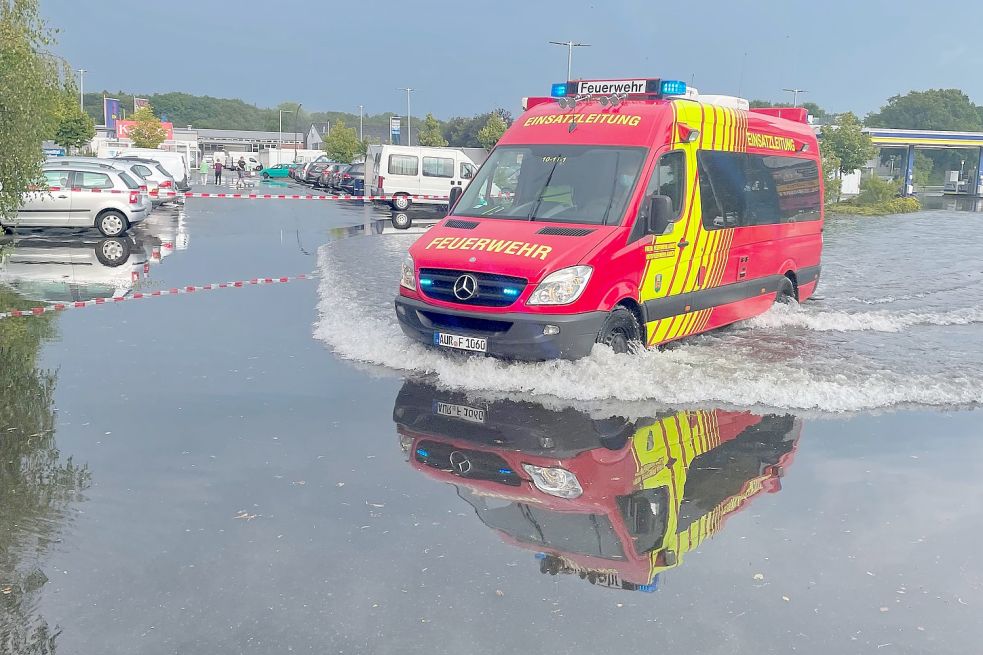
<point>462,412</point>
<point>475,344</point>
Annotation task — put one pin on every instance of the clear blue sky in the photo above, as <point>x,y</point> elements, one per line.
<point>468,57</point>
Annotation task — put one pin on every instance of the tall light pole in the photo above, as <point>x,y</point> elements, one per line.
<point>570,46</point>
<point>795,95</point>
<point>82,73</point>
<point>409,133</point>
<point>296,118</point>
<point>279,137</point>
<point>361,135</point>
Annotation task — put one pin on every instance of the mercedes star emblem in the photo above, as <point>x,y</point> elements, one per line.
<point>465,287</point>
<point>460,462</point>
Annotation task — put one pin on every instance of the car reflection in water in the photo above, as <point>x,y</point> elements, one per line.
<point>613,501</point>
<point>72,267</point>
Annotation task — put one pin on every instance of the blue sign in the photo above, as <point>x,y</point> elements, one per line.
<point>54,152</point>
<point>394,122</point>
<point>111,113</point>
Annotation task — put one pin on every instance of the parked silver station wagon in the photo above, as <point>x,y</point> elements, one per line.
<point>83,195</point>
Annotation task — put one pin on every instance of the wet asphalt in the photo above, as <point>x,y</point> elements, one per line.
<point>199,474</point>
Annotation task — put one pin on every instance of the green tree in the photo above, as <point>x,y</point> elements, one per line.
<point>37,485</point>
<point>29,88</point>
<point>147,132</point>
<point>832,184</point>
<point>430,134</point>
<point>848,143</point>
<point>934,109</point>
<point>342,143</point>
<point>75,128</point>
<point>493,130</point>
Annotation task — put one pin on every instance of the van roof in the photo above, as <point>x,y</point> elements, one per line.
<point>632,123</point>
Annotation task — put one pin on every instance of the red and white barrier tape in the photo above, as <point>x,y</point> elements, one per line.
<point>57,307</point>
<point>249,196</point>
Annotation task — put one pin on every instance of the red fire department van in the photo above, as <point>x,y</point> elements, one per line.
<point>621,212</point>
<point>613,501</point>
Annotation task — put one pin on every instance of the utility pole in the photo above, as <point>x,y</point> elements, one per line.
<point>409,134</point>
<point>795,95</point>
<point>297,141</point>
<point>279,137</point>
<point>82,73</point>
<point>570,46</point>
<point>361,134</point>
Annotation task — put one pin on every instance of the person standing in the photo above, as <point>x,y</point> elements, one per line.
<point>203,172</point>
<point>218,172</point>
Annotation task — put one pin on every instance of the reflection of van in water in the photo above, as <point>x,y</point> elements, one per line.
<point>611,501</point>
<point>403,171</point>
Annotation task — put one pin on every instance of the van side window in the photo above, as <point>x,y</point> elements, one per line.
<point>741,189</point>
<point>88,180</point>
<point>438,167</point>
<point>403,165</point>
<point>668,179</point>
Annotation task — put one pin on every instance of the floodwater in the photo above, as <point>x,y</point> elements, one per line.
<point>275,468</point>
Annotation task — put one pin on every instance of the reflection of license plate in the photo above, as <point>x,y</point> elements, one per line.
<point>460,342</point>
<point>463,412</point>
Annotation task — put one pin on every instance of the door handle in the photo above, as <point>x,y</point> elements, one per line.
<point>683,243</point>
<point>63,197</point>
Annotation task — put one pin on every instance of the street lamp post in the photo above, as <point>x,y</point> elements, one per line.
<point>795,95</point>
<point>296,138</point>
<point>570,46</point>
<point>279,137</point>
<point>82,73</point>
<point>361,135</point>
<point>409,133</point>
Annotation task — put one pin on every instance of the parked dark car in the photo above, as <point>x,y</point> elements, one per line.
<point>347,178</point>
<point>312,174</point>
<point>329,175</point>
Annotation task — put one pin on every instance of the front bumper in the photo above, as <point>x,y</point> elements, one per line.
<point>510,336</point>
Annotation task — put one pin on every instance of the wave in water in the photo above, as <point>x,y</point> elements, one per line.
<point>360,324</point>
<point>827,320</point>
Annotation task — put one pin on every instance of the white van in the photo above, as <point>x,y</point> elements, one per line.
<point>174,163</point>
<point>403,171</point>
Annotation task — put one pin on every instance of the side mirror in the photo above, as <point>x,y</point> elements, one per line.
<point>455,195</point>
<point>659,214</point>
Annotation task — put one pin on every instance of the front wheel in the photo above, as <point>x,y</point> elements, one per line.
<point>266,176</point>
<point>621,331</point>
<point>401,202</point>
<point>112,223</point>
<point>402,221</point>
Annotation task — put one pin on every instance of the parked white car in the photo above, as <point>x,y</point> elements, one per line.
<point>174,162</point>
<point>83,195</point>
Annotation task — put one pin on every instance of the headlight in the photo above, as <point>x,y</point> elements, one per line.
<point>554,481</point>
<point>408,277</point>
<point>561,287</point>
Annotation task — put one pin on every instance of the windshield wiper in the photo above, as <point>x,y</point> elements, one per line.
<point>542,192</point>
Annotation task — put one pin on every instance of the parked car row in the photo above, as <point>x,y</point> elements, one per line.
<point>110,195</point>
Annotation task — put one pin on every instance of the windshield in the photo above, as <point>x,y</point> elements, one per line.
<point>562,183</point>
<point>568,532</point>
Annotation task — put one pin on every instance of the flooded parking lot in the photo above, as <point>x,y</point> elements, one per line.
<point>275,468</point>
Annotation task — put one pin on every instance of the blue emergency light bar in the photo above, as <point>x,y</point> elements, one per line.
<point>645,87</point>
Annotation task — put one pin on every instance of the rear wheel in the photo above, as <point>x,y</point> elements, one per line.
<point>402,221</point>
<point>112,223</point>
<point>266,176</point>
<point>401,202</point>
<point>786,292</point>
<point>621,331</point>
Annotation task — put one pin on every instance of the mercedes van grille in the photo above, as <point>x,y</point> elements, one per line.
<point>491,291</point>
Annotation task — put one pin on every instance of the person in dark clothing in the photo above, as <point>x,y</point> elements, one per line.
<point>218,172</point>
